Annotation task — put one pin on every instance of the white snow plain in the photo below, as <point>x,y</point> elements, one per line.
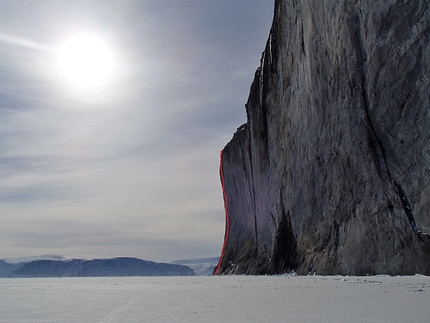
<point>216,299</point>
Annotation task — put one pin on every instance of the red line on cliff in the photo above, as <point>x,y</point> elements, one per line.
<point>227,219</point>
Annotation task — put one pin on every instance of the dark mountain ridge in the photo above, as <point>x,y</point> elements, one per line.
<point>121,266</point>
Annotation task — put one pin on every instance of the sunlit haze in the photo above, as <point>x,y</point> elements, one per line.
<point>86,61</point>
<point>112,117</point>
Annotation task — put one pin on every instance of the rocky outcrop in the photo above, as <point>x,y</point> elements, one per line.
<point>331,172</point>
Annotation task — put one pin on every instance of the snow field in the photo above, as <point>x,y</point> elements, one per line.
<point>216,299</point>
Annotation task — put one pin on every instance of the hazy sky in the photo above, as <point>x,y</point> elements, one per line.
<point>129,167</point>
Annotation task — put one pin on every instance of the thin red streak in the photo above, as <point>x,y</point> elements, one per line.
<point>227,219</point>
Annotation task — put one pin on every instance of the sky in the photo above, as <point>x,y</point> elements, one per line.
<point>128,166</point>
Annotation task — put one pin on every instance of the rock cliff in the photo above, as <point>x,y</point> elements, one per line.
<point>331,172</point>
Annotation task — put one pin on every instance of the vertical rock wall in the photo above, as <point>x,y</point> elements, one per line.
<point>331,172</point>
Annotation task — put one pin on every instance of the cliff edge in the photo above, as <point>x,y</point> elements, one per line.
<point>331,172</point>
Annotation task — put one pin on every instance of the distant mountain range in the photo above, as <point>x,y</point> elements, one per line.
<point>58,266</point>
<point>201,266</point>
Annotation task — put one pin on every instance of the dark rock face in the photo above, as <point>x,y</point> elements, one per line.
<point>122,266</point>
<point>331,172</point>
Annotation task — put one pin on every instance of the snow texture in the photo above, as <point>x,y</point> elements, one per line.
<point>216,299</point>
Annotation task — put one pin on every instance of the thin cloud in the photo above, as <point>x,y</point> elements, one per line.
<point>132,169</point>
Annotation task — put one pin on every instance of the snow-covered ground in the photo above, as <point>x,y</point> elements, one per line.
<point>216,299</point>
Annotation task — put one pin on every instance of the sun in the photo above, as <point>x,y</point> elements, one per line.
<point>86,61</point>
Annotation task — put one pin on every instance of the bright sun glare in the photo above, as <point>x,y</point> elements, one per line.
<point>86,61</point>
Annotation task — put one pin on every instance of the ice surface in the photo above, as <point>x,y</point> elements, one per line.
<point>216,299</point>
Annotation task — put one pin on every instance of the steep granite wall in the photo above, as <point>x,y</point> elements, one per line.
<point>331,172</point>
